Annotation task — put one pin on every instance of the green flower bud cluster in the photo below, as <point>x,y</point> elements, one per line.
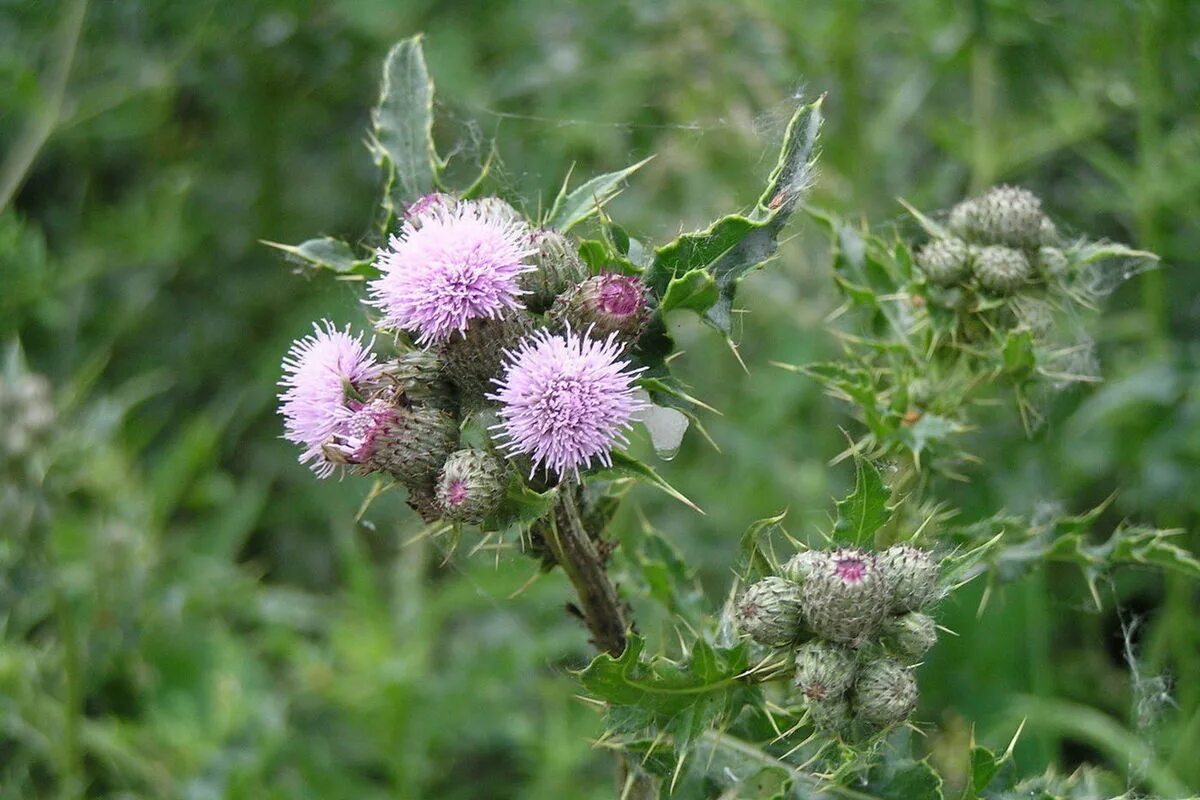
<point>853,620</point>
<point>1001,242</point>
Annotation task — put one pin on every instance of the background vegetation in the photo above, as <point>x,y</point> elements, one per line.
<point>187,613</point>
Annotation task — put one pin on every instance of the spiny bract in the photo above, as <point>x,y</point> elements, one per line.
<point>885,693</point>
<point>945,262</point>
<point>911,575</point>
<point>910,635</point>
<point>1002,270</point>
<point>470,486</point>
<point>846,597</point>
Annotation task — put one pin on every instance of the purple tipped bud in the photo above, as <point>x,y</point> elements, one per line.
<point>607,304</point>
<point>769,612</point>
<point>885,693</point>
<point>823,671</point>
<point>471,486</point>
<point>910,635</point>
<point>911,575</point>
<point>410,443</point>
<point>558,268</point>
<point>845,597</point>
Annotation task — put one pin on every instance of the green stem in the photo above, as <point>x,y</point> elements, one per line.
<point>983,103</point>
<point>72,761</point>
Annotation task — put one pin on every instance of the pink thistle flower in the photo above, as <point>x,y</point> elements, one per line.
<point>319,372</point>
<point>566,400</point>
<point>451,265</point>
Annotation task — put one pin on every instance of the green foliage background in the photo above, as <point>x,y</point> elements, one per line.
<point>187,613</point>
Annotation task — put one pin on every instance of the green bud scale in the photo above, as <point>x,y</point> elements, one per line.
<point>769,612</point>
<point>910,635</point>
<point>1002,269</point>
<point>1005,215</point>
<point>911,575</point>
<point>1053,261</point>
<point>419,375</point>
<point>470,486</point>
<point>823,671</point>
<point>800,565</point>
<point>846,597</point>
<point>559,267</point>
<point>885,693</point>
<point>945,262</point>
<point>410,443</point>
<point>832,717</point>
<point>606,304</point>
<point>472,361</point>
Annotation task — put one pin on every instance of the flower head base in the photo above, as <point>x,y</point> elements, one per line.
<point>409,443</point>
<point>448,266</point>
<point>321,373</point>
<point>885,693</point>
<point>769,612</point>
<point>566,401</point>
<point>470,486</point>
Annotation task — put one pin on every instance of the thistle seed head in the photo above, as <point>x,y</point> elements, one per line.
<point>769,612</point>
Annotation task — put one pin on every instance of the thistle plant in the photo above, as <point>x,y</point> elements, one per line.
<point>515,357</point>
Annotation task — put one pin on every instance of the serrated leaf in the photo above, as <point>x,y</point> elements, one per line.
<point>904,779</point>
<point>658,695</point>
<point>668,578</point>
<point>626,466</point>
<point>864,511</point>
<point>739,243</point>
<point>325,252</point>
<point>521,505</point>
<point>695,290</point>
<point>572,208</point>
<point>402,132</point>
<point>755,560</point>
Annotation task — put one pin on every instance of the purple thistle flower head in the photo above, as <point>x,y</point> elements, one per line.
<point>318,372</point>
<point>566,400</point>
<point>454,264</point>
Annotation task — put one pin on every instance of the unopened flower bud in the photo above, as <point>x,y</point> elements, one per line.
<point>769,612</point>
<point>605,304</point>
<point>832,717</point>
<point>945,262</point>
<point>26,413</point>
<point>428,204</point>
<point>1005,215</point>
<point>885,693</point>
<point>910,635</point>
<point>419,375</point>
<point>800,565</point>
<point>1053,261</point>
<point>472,360</point>
<point>410,443</point>
<point>845,598</point>
<point>558,268</point>
<point>911,575</point>
<point>499,210</point>
<point>823,671</point>
<point>471,486</point>
<point>1002,269</point>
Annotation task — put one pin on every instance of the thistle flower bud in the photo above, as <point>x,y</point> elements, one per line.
<point>911,576</point>
<point>497,209</point>
<point>472,361</point>
<point>800,565</point>
<point>1006,215</point>
<point>885,693</point>
<point>910,635</point>
<point>1053,261</point>
<point>845,598</point>
<point>823,671</point>
<point>471,486</point>
<point>832,717</point>
<point>419,375</point>
<point>769,612</point>
<point>428,204</point>
<point>410,443</point>
<point>945,262</point>
<point>605,304</point>
<point>26,413</point>
<point>1002,269</point>
<point>558,268</point>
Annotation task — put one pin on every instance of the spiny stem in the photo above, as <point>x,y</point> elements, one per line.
<point>579,558</point>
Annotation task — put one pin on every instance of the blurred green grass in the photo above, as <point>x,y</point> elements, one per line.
<point>186,613</point>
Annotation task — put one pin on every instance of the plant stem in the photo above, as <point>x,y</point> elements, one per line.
<point>579,558</point>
